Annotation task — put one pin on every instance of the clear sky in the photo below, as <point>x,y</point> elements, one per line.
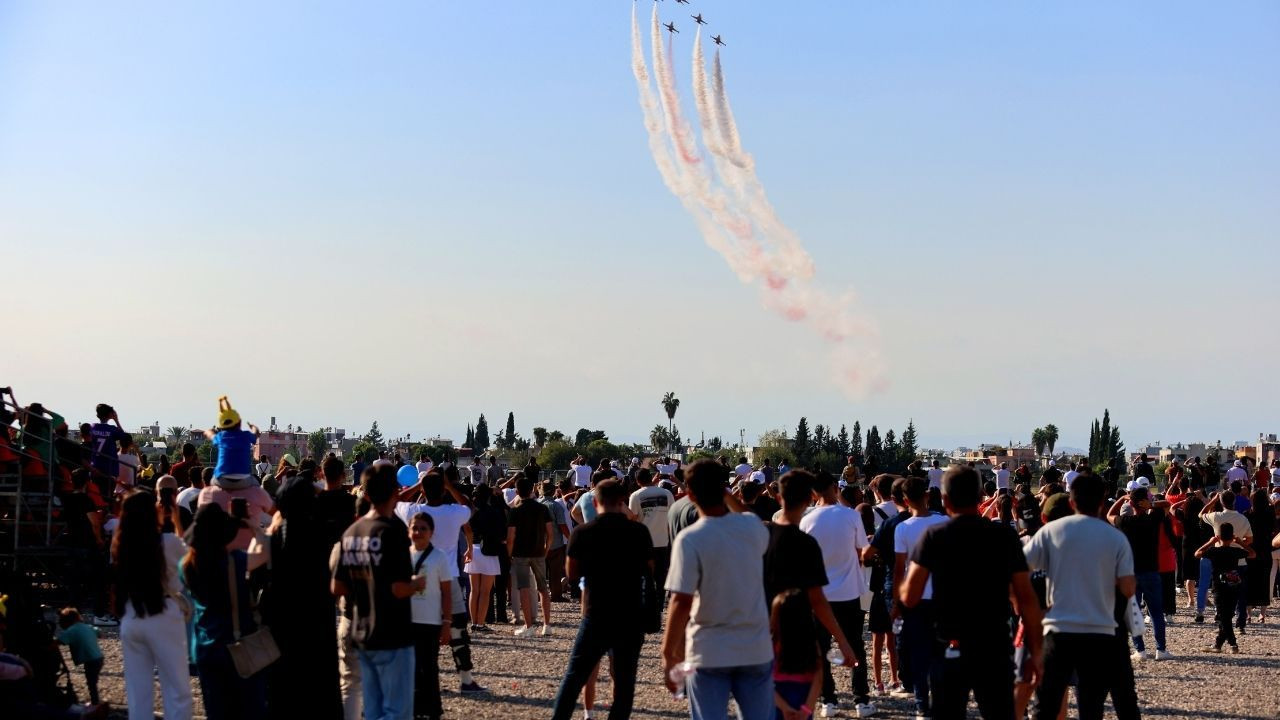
<point>419,211</point>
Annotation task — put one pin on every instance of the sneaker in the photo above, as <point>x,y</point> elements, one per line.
<point>1235,649</point>
<point>921,716</point>
<point>523,630</point>
<point>828,710</point>
<point>545,631</point>
<point>1199,618</point>
<point>865,709</point>
<point>106,621</point>
<point>880,690</point>
<point>472,688</point>
<point>1163,655</point>
<point>1211,649</point>
<point>897,690</point>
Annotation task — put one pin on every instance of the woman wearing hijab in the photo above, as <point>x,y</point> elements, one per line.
<point>227,696</point>
<point>298,608</point>
<point>153,634</point>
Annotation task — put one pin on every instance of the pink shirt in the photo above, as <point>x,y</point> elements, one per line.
<point>260,503</point>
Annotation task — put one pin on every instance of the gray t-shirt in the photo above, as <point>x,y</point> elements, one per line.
<point>720,561</point>
<point>559,516</point>
<point>1082,557</point>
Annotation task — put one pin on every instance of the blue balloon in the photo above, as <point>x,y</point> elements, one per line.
<point>407,475</point>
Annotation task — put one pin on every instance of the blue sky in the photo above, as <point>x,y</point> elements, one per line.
<point>422,211</point>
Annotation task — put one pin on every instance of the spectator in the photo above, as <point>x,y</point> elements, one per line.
<point>918,619</point>
<point>879,555</point>
<point>371,569</point>
<point>489,530</point>
<point>86,561</point>
<point>1142,527</point>
<point>305,679</point>
<point>153,634</point>
<point>974,565</point>
<point>529,535</point>
<point>727,639</point>
<point>559,539</point>
<point>425,463</point>
<point>613,555</point>
<point>935,475</point>
<point>195,477</point>
<point>840,536</point>
<point>82,641</point>
<point>652,504</point>
<point>796,679</point>
<point>1219,510</point>
<point>451,524</point>
<point>181,469</point>
<point>431,616</point>
<point>1085,562</point>
<point>1229,560</point>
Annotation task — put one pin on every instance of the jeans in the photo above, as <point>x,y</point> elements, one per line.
<point>388,683</point>
<point>227,695</point>
<point>918,646</point>
<point>1202,584</point>
<point>984,668</point>
<point>459,637</point>
<point>750,685</point>
<point>348,668</point>
<point>426,670</point>
<point>1100,662</point>
<point>1150,593</point>
<point>595,638</point>
<point>849,617</point>
<point>92,669</point>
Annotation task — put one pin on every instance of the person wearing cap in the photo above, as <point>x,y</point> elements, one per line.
<point>1051,474</point>
<point>1142,528</point>
<point>1237,473</point>
<point>234,447</point>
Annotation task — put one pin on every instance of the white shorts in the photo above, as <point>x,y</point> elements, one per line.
<point>482,564</point>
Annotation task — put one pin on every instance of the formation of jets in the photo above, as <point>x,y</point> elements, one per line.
<point>671,26</point>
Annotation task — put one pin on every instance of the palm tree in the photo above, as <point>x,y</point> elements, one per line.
<point>1051,436</point>
<point>177,432</point>
<point>670,403</point>
<point>1038,440</point>
<point>658,437</point>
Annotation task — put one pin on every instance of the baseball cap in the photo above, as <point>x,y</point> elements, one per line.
<point>1132,485</point>
<point>1144,482</point>
<point>757,477</point>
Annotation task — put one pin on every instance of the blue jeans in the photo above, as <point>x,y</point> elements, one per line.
<point>388,683</point>
<point>918,645</point>
<point>1202,584</point>
<point>751,686</point>
<point>1151,594</point>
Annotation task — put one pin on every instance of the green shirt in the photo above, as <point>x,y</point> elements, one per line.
<point>83,642</point>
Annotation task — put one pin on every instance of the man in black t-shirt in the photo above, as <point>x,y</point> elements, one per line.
<point>614,555</point>
<point>1142,525</point>
<point>974,564</point>
<point>86,561</point>
<point>335,506</point>
<point>1228,559</point>
<point>371,569</point>
<point>529,532</point>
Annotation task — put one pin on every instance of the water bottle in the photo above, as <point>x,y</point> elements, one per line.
<point>897,626</point>
<point>835,657</point>
<point>679,674</point>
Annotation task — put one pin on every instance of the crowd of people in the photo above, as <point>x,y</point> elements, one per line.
<point>303,587</point>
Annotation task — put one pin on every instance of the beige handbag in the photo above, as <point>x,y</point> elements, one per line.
<point>255,651</point>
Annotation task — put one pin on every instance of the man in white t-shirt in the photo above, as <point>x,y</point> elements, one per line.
<point>666,469</point>
<point>1071,476</point>
<point>449,520</point>
<point>885,507</point>
<point>581,470</point>
<point>424,463</point>
<point>1002,477</point>
<point>917,635</point>
<point>841,535</point>
<point>651,503</point>
<point>743,470</point>
<point>935,475</point>
<point>717,618</point>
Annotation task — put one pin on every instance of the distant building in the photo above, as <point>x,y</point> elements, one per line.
<point>1267,449</point>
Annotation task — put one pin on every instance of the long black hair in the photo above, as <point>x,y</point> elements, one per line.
<point>795,636</point>
<point>138,554</point>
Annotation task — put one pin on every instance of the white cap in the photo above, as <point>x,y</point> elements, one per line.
<point>1239,464</point>
<point>1133,485</point>
<point>1144,482</point>
<point>757,477</point>
<point>613,463</point>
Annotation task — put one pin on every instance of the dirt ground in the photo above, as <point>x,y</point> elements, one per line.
<point>522,676</point>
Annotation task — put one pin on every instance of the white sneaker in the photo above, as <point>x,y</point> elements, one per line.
<point>828,710</point>
<point>865,709</point>
<point>1136,656</point>
<point>106,621</point>
<point>896,690</point>
<point>523,630</point>
<point>545,631</point>
<point>1163,655</point>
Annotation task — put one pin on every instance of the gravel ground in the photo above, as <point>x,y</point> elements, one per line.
<point>523,675</point>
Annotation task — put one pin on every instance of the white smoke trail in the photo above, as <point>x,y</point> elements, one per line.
<point>733,222</point>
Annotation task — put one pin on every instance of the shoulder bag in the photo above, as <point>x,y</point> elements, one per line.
<point>255,651</point>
